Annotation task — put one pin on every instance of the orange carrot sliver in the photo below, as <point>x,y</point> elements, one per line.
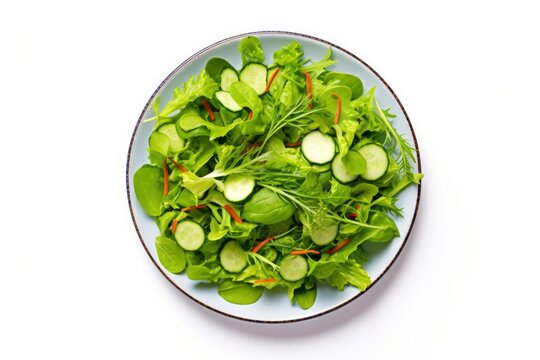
<point>358,207</point>
<point>308,88</point>
<point>173,226</point>
<point>234,215</point>
<point>303,252</point>
<point>260,281</point>
<point>189,208</point>
<point>338,109</point>
<point>270,80</point>
<point>338,246</point>
<point>293,144</point>
<point>261,244</point>
<point>165,178</point>
<point>250,115</point>
<point>178,166</point>
<point>209,110</point>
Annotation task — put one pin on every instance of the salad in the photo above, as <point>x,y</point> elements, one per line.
<point>273,176</point>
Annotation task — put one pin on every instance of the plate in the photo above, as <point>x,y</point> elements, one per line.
<point>273,307</point>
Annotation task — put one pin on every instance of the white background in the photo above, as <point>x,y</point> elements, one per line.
<point>75,282</point>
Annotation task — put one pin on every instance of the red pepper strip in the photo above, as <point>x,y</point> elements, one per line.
<point>260,281</point>
<point>251,146</point>
<point>261,244</point>
<point>338,246</point>
<point>270,80</point>
<point>230,210</point>
<point>189,208</point>
<point>209,110</point>
<point>302,252</point>
<point>308,88</point>
<point>173,226</point>
<point>165,178</point>
<point>250,115</point>
<point>294,144</point>
<point>351,215</point>
<point>338,109</point>
<point>178,166</point>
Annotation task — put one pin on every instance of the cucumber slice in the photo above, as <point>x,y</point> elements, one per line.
<point>324,232</point>
<point>226,100</point>
<point>176,143</point>
<point>189,235</point>
<point>238,187</point>
<point>228,76</point>
<point>376,161</point>
<point>340,171</point>
<point>232,257</point>
<point>318,148</point>
<point>254,75</point>
<point>293,268</point>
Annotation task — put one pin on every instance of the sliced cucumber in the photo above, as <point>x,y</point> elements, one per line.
<point>238,187</point>
<point>228,76</point>
<point>226,100</point>
<point>176,143</point>
<point>189,235</point>
<point>340,171</point>
<point>232,257</point>
<point>318,148</point>
<point>254,75</point>
<point>293,268</point>
<point>376,161</point>
<point>324,232</point>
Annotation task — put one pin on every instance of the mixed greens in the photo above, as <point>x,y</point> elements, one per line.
<point>273,176</point>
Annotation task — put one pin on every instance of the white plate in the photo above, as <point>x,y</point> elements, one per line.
<point>273,306</point>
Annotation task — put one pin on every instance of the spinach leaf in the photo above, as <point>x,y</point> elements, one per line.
<point>215,66</point>
<point>266,207</point>
<point>191,120</point>
<point>245,96</point>
<point>349,80</point>
<point>339,193</point>
<point>148,186</point>
<point>354,163</point>
<point>305,298</point>
<point>388,229</point>
<point>251,50</point>
<point>240,293</point>
<point>199,272</point>
<point>170,254</point>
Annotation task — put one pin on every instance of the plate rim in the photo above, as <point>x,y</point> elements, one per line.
<point>195,56</point>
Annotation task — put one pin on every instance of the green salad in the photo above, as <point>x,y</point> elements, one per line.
<point>273,176</point>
